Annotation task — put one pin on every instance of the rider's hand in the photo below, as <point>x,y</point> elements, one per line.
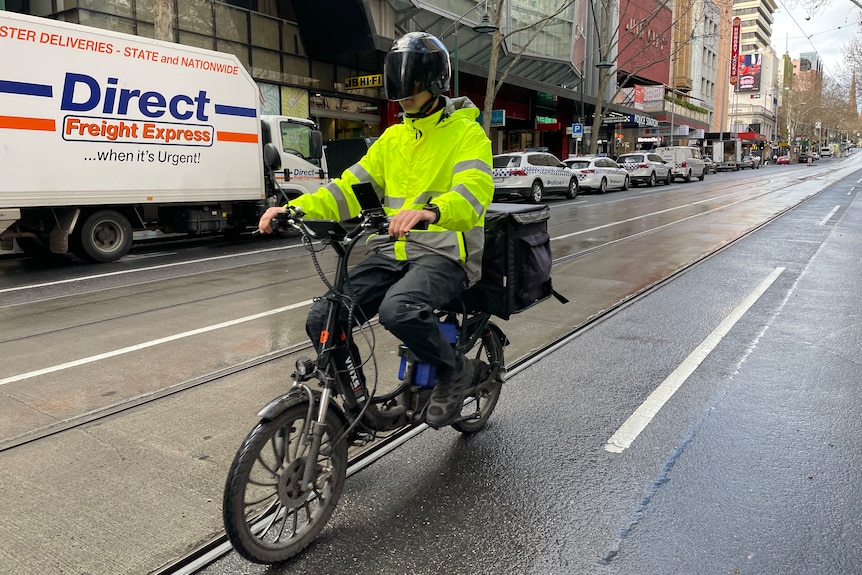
<point>405,220</point>
<point>264,226</point>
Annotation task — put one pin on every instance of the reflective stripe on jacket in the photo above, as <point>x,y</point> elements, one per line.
<point>443,159</point>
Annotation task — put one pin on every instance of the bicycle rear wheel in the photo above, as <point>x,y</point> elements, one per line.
<point>268,514</point>
<point>475,413</point>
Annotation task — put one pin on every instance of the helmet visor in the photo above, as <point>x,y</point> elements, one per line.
<point>408,73</point>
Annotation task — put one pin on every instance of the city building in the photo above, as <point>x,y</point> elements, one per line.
<point>309,63</point>
<point>753,100</point>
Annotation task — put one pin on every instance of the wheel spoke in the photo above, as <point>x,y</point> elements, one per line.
<point>257,502</point>
<point>262,484</point>
<point>283,525</point>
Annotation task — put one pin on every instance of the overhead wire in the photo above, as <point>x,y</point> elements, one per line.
<point>808,37</point>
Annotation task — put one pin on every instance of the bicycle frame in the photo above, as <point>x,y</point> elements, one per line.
<point>352,389</point>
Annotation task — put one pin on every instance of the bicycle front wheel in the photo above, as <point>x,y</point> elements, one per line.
<point>489,353</point>
<point>268,514</point>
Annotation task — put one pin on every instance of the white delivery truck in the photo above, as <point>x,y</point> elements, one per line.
<point>104,135</point>
<point>727,154</point>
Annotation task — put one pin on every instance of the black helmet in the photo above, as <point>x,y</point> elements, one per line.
<point>417,61</point>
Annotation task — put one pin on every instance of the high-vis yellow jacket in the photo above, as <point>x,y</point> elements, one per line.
<point>443,159</point>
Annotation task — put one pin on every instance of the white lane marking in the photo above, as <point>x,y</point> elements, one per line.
<point>829,217</point>
<point>136,270</point>
<point>642,416</point>
<point>151,343</point>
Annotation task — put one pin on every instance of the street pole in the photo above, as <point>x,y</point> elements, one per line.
<point>672,112</point>
<point>581,111</point>
<point>484,27</point>
<point>455,33</point>
<point>672,89</point>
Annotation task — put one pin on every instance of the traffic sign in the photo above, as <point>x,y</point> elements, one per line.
<point>577,129</point>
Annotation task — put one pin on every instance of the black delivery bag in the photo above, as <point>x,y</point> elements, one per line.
<point>516,264</point>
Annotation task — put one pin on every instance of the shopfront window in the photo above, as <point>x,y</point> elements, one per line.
<point>264,32</point>
<point>517,141</point>
<point>266,64</point>
<point>144,10</point>
<point>197,40</point>
<point>238,50</point>
<point>106,22</point>
<point>196,16</point>
<point>123,8</point>
<point>231,23</point>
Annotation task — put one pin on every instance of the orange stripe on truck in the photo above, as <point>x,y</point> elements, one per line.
<point>19,123</point>
<point>236,137</point>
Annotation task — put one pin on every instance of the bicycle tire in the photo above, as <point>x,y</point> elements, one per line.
<point>267,516</point>
<point>484,399</point>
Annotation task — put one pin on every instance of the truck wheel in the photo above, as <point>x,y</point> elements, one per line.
<point>104,236</point>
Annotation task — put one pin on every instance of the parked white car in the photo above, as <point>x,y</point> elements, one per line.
<point>646,168</point>
<point>599,173</point>
<point>531,175</point>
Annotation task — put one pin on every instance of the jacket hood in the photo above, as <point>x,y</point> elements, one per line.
<point>461,107</point>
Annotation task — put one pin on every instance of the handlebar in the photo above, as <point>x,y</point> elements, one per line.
<point>369,221</point>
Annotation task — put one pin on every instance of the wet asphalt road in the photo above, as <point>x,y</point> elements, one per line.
<point>751,467</point>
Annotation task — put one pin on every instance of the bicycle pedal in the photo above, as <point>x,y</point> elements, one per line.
<point>473,416</point>
<point>393,412</point>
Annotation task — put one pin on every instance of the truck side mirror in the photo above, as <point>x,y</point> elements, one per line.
<point>271,157</point>
<point>316,145</point>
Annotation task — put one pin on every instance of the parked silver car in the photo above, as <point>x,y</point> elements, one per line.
<point>531,175</point>
<point>711,166</point>
<point>646,168</point>
<point>749,161</point>
<point>599,173</point>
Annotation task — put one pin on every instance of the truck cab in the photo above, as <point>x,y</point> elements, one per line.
<point>303,165</point>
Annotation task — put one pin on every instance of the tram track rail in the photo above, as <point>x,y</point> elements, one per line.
<point>218,546</point>
<point>101,414</point>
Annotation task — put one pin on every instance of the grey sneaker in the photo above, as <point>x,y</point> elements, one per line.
<point>448,396</point>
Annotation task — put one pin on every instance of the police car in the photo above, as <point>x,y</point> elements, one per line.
<point>531,175</point>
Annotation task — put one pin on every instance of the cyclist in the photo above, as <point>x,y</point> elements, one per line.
<point>434,167</point>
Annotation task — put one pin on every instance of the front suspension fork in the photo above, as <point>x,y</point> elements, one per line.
<point>317,429</point>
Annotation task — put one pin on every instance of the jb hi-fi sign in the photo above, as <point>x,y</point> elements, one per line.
<point>357,82</point>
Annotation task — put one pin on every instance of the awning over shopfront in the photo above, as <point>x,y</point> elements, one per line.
<point>751,136</point>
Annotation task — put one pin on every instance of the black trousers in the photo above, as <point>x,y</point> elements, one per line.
<point>405,294</point>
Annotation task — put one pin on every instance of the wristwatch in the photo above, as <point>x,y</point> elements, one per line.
<point>435,209</point>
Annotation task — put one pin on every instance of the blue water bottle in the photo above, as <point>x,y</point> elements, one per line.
<point>423,373</point>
